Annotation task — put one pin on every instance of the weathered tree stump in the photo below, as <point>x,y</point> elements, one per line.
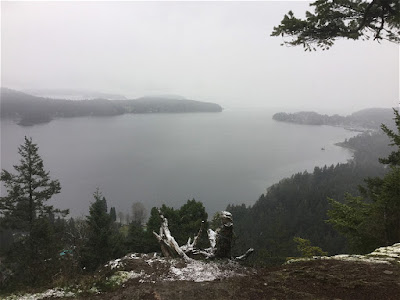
<point>220,241</point>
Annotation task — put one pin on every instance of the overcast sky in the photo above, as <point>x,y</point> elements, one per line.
<point>211,51</point>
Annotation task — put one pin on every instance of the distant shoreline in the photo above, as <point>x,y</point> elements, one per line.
<point>29,110</point>
<point>367,120</point>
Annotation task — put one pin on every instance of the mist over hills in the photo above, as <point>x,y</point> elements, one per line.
<point>28,110</point>
<point>72,94</point>
<point>370,118</point>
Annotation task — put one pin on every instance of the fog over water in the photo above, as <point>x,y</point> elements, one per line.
<point>216,158</point>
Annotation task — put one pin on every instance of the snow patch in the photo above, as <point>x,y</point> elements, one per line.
<point>56,293</point>
<point>199,271</point>
<point>382,255</point>
<point>113,264</point>
<point>149,269</point>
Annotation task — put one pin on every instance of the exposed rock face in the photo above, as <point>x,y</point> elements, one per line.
<point>383,255</point>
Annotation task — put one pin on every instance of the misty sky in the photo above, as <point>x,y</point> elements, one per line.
<point>211,51</point>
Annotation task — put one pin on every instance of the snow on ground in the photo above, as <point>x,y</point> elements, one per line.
<point>58,293</point>
<point>199,271</point>
<point>176,269</point>
<point>147,268</point>
<point>382,255</point>
<point>193,270</point>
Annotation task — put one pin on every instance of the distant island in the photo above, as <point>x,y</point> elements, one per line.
<point>29,110</point>
<point>366,119</point>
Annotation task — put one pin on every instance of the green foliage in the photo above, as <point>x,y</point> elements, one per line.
<point>373,220</point>
<point>28,190</point>
<point>138,240</point>
<point>350,19</point>
<point>216,221</point>
<point>352,219</point>
<point>183,223</point>
<point>37,236</point>
<point>113,214</point>
<point>305,248</point>
<point>191,216</point>
<point>366,144</point>
<point>104,241</point>
<point>394,158</point>
<point>297,206</point>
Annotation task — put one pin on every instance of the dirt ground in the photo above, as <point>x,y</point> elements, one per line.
<point>326,279</point>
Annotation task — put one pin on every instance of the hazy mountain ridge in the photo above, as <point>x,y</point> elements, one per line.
<point>29,110</point>
<point>72,94</point>
<point>366,119</point>
<point>166,105</point>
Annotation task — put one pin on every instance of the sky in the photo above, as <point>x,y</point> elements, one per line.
<point>210,51</point>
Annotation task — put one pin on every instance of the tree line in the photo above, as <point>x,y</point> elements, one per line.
<point>40,245</point>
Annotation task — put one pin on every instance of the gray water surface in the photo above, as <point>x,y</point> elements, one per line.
<point>216,158</point>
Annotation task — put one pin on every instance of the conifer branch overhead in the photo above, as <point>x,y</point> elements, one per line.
<point>349,19</point>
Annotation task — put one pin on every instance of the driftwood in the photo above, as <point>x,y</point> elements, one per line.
<point>220,241</point>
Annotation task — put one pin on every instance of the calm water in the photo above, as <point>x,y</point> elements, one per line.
<point>220,158</point>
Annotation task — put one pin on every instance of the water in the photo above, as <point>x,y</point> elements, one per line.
<point>216,158</point>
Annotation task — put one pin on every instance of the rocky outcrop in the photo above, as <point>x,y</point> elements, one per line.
<point>382,255</point>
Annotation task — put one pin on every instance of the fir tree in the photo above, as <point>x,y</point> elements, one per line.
<point>104,242</point>
<point>113,214</point>
<point>349,19</point>
<point>26,212</point>
<point>28,191</point>
<point>394,158</point>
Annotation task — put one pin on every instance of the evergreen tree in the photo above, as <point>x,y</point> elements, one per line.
<point>394,158</point>
<point>183,223</point>
<point>25,210</point>
<point>191,216</point>
<point>28,191</point>
<point>305,248</point>
<point>373,220</point>
<point>349,19</point>
<point>136,240</point>
<point>113,214</point>
<point>104,242</point>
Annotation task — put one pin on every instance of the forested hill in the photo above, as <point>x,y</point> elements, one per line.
<point>297,206</point>
<point>370,118</point>
<point>29,110</point>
